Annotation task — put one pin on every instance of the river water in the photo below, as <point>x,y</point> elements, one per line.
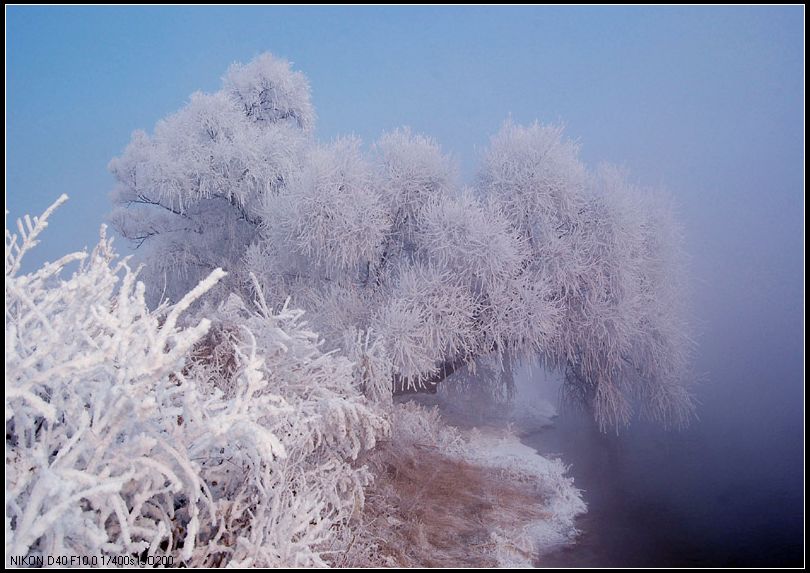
<point>693,498</point>
<point>726,492</point>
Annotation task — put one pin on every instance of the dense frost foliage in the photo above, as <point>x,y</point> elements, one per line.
<point>611,255</point>
<point>192,191</point>
<point>232,441</point>
<point>541,259</point>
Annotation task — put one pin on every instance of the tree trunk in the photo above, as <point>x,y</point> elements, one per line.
<point>403,386</point>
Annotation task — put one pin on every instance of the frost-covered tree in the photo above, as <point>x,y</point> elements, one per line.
<point>191,192</point>
<point>612,254</point>
<point>232,441</point>
<point>540,259</point>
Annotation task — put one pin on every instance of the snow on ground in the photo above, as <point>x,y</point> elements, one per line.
<point>560,501</point>
<point>491,433</point>
<point>448,495</point>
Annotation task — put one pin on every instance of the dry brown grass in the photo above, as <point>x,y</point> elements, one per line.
<point>426,509</point>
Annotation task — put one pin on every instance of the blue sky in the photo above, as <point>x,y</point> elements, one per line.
<point>705,102</point>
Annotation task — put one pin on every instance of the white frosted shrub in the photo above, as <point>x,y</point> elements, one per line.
<point>126,435</point>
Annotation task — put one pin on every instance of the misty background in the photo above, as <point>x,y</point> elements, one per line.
<point>707,103</point>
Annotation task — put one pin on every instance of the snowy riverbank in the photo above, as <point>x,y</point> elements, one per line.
<point>538,512</point>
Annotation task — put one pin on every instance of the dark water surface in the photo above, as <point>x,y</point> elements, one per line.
<point>729,490</point>
<point>694,498</point>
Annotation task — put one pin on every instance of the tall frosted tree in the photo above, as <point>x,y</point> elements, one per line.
<point>540,259</point>
<point>192,192</point>
<point>613,257</point>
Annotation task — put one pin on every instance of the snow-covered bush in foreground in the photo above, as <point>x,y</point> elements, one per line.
<point>127,435</point>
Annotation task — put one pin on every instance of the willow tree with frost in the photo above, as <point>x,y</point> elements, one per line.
<point>539,259</point>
